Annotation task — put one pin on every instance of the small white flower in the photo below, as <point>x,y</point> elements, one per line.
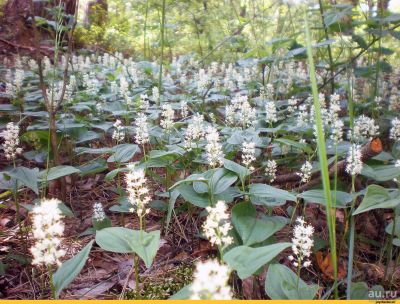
<point>364,129</point>
<point>248,154</point>
<point>305,172</point>
<point>302,116</point>
<point>11,141</point>
<point>155,94</point>
<point>395,130</point>
<point>167,114</point>
<point>217,225</point>
<point>292,105</point>
<point>47,229</point>
<point>214,153</point>
<point>302,242</point>
<point>337,131</point>
<point>98,212</point>
<point>194,132</point>
<point>144,102</point>
<point>271,112</point>
<point>270,170</point>
<point>354,163</point>
<point>141,129</point>
<point>119,133</point>
<point>211,282</point>
<point>138,193</point>
<point>240,112</point>
<point>184,109</point>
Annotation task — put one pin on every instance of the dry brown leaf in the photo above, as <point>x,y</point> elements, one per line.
<point>326,266</point>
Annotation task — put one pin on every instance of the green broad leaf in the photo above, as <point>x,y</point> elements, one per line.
<point>301,146</point>
<point>247,260</point>
<point>381,173</point>
<point>389,227</point>
<point>190,195</point>
<point>171,204</point>
<point>361,291</point>
<point>87,136</point>
<point>251,229</point>
<point>318,196</point>
<point>168,156</point>
<point>220,180</point>
<point>57,172</point>
<point>378,197</point>
<point>113,173</point>
<point>93,167</point>
<point>124,240</point>
<point>123,153</point>
<point>85,150</point>
<point>360,41</point>
<point>281,284</point>
<point>70,269</point>
<point>183,294</point>
<point>190,179</point>
<point>267,191</point>
<point>241,171</point>
<point>26,176</point>
<point>98,225</point>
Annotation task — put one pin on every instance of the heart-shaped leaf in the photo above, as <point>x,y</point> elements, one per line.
<point>124,240</point>
<point>281,284</point>
<point>251,229</point>
<point>246,260</point>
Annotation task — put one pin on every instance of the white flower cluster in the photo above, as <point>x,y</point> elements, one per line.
<point>305,172</point>
<point>270,170</point>
<point>155,94</point>
<point>14,85</point>
<point>203,80</point>
<point>141,129</point>
<point>337,131</point>
<point>119,133</point>
<point>292,105</point>
<point>138,193</point>
<point>395,130</point>
<point>144,102</point>
<point>167,114</point>
<point>354,163</point>
<point>194,132</point>
<point>211,282</point>
<point>214,153</point>
<point>271,112</point>
<point>302,116</point>
<point>217,225</point>
<point>184,109</point>
<point>248,154</point>
<point>11,141</point>
<point>364,129</point>
<point>240,112</point>
<point>302,242</point>
<point>98,212</point>
<point>47,229</point>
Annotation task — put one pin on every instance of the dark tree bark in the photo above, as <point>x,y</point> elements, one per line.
<point>16,24</point>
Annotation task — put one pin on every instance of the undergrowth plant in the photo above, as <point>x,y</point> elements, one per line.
<point>274,160</point>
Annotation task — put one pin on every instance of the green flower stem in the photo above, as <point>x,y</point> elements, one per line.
<point>330,210</point>
<point>53,289</point>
